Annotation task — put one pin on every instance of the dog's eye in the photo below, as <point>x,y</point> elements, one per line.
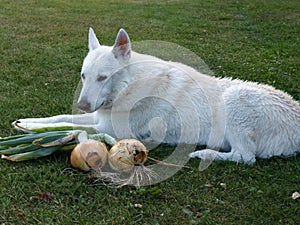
<point>83,76</point>
<point>101,78</point>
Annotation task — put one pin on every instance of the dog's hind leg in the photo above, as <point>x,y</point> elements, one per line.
<point>242,150</point>
<point>233,155</point>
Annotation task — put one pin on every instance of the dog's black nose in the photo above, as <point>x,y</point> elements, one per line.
<point>84,105</point>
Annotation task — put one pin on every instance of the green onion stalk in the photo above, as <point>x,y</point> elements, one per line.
<point>36,143</point>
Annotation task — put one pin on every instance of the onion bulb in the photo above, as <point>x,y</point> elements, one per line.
<point>127,153</point>
<point>89,154</point>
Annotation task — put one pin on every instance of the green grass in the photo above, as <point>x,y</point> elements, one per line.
<point>42,47</point>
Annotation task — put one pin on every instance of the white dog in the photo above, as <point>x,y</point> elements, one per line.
<point>126,94</point>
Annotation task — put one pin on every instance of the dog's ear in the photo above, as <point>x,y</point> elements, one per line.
<point>93,41</point>
<point>122,46</point>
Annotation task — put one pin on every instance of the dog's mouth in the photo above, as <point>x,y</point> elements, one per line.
<point>87,107</point>
<point>106,104</point>
<point>99,106</point>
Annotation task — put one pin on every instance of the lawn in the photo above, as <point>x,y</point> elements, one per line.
<point>42,45</point>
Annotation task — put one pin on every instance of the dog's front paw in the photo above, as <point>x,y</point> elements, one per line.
<point>17,125</point>
<point>21,125</point>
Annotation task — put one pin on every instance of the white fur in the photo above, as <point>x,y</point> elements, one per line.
<point>127,94</point>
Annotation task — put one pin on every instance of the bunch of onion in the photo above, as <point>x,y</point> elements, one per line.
<point>127,158</point>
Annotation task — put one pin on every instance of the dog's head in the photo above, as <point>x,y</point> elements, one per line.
<point>98,68</point>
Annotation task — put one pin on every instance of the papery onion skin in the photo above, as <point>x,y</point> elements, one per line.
<point>127,153</point>
<point>89,154</point>
<point>78,161</point>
